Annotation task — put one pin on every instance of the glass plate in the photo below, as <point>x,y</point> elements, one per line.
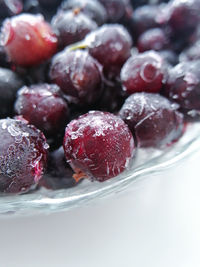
<point>147,161</point>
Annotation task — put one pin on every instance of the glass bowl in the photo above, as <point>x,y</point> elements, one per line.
<point>146,162</point>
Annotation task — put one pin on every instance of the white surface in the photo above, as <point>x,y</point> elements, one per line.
<point>156,223</point>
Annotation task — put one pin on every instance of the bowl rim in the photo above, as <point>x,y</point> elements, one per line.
<point>48,201</point>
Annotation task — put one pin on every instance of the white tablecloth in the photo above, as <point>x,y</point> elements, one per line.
<point>155,223</point>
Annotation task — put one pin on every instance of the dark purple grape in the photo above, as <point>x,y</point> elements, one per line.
<point>78,75</point>
<point>183,87</point>
<point>91,8</point>
<point>126,19</point>
<point>23,156</point>
<point>72,26</point>
<point>153,39</point>
<point>9,84</point>
<point>153,119</point>
<point>43,106</point>
<point>144,72</point>
<point>98,145</point>
<point>116,9</point>
<point>183,16</point>
<point>143,19</point>
<point>111,46</point>
<point>180,19</point>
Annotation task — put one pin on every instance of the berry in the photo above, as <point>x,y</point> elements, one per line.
<point>28,39</point>
<point>153,119</point>
<point>116,9</point>
<point>10,82</point>
<point>96,68</point>
<point>143,73</point>
<point>43,106</point>
<point>111,46</point>
<point>183,16</point>
<point>125,20</point>
<point>78,75</point>
<point>144,18</point>
<point>153,39</point>
<point>72,26</point>
<point>59,174</point>
<point>183,87</point>
<point>91,8</point>
<point>23,156</point>
<point>98,145</point>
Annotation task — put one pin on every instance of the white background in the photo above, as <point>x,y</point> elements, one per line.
<point>155,223</point>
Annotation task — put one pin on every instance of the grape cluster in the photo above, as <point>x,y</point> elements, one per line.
<point>84,83</point>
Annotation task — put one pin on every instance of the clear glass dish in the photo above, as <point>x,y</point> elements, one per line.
<point>147,161</point>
